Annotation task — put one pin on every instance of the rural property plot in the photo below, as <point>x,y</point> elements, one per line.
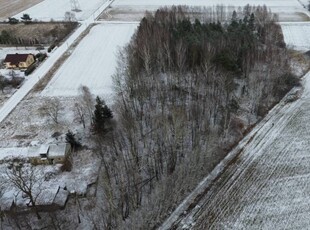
<point>56,9</point>
<point>92,63</point>
<point>297,35</point>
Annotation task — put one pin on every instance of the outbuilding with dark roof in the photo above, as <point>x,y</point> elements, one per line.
<point>18,61</point>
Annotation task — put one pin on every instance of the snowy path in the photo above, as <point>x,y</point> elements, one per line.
<point>266,186</point>
<point>47,65</point>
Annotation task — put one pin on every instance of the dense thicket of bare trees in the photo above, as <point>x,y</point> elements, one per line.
<point>184,89</point>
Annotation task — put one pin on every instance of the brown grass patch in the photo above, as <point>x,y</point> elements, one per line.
<point>41,32</point>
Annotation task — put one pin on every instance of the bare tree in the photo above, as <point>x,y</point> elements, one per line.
<point>79,113</point>
<point>87,103</point>
<point>176,105</point>
<point>3,83</point>
<point>70,16</point>
<point>52,108</point>
<point>27,180</point>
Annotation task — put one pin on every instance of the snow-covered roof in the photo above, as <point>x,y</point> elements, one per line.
<point>58,150</point>
<point>46,197</point>
<point>44,149</point>
<point>33,151</point>
<point>52,150</point>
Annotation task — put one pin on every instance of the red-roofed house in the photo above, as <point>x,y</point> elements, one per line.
<point>20,61</point>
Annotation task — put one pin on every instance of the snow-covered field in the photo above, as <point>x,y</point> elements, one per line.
<point>133,10</point>
<point>297,35</point>
<point>269,3</point>
<point>92,63</point>
<point>56,9</point>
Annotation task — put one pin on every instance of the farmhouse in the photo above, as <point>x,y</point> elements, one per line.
<point>49,154</point>
<point>18,61</point>
<point>43,154</point>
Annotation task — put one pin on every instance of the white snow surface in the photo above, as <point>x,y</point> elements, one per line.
<point>297,35</point>
<point>92,63</point>
<point>56,9</point>
<point>269,3</point>
<point>134,10</point>
<point>274,5</point>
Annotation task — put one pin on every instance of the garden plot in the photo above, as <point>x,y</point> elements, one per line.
<point>92,63</point>
<point>133,10</point>
<point>8,91</point>
<point>297,35</point>
<point>27,123</point>
<point>56,9</point>
<point>26,126</point>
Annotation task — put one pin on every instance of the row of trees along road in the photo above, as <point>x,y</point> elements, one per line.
<point>187,91</point>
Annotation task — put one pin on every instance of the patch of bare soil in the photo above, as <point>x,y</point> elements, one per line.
<point>293,17</point>
<point>11,7</point>
<point>122,14</point>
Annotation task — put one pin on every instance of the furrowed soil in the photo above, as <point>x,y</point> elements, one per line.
<point>11,7</point>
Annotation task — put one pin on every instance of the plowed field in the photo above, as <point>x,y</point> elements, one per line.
<point>9,8</point>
